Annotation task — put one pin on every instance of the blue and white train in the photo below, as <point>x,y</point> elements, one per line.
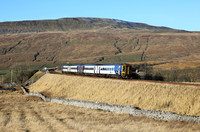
<point>123,70</point>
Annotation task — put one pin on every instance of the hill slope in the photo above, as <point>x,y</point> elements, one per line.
<point>68,24</point>
<point>96,47</point>
<point>93,40</point>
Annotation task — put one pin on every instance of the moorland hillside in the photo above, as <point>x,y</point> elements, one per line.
<point>93,40</point>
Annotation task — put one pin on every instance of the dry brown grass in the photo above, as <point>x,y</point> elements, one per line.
<point>90,46</point>
<point>181,99</point>
<point>180,63</point>
<point>167,65</point>
<point>27,113</point>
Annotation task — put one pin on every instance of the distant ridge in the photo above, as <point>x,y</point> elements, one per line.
<point>79,23</point>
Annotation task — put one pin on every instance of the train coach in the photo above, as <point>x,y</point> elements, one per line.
<point>123,70</point>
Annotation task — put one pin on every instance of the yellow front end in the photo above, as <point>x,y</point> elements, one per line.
<point>126,70</point>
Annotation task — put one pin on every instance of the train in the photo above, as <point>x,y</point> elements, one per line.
<point>119,70</point>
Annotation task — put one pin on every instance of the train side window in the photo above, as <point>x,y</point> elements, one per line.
<point>103,68</point>
<point>88,68</point>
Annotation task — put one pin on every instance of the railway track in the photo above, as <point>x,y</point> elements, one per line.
<point>175,83</point>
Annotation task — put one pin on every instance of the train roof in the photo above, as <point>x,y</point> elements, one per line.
<point>95,64</point>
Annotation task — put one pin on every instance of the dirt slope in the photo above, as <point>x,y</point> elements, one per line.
<point>27,113</point>
<point>146,95</point>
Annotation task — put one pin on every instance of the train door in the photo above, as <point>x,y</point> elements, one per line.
<point>118,70</point>
<point>82,69</point>
<point>123,70</point>
<point>97,71</point>
<point>127,70</point>
<point>78,68</point>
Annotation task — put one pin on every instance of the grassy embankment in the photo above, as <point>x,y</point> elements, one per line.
<point>181,99</point>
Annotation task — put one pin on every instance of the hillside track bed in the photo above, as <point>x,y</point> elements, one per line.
<point>93,76</point>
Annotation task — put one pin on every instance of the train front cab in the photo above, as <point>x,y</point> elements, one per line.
<point>126,71</point>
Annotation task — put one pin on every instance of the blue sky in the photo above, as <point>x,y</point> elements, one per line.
<point>178,14</point>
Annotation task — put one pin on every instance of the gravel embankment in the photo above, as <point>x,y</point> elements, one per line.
<point>159,115</point>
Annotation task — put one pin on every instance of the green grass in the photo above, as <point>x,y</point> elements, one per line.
<point>121,59</point>
<point>7,73</point>
<point>16,70</point>
<point>25,68</point>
